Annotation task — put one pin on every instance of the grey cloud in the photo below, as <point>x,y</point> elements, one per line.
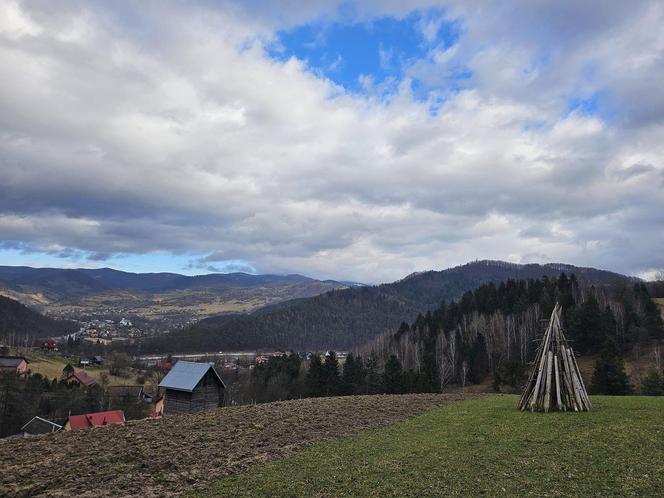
<point>154,127</point>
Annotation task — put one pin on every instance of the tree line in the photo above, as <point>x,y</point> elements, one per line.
<point>494,329</point>
<point>292,377</point>
<point>491,333</point>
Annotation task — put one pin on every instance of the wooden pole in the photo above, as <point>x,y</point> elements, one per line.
<point>555,384</point>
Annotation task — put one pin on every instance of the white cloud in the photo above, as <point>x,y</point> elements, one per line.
<point>163,128</point>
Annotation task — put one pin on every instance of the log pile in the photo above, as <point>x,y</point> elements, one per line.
<point>555,383</point>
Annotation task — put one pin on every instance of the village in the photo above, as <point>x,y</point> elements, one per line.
<point>122,387</point>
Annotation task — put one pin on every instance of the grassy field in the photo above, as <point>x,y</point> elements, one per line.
<point>483,447</point>
<point>51,366</point>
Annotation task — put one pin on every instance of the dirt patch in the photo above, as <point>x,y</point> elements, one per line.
<point>174,455</point>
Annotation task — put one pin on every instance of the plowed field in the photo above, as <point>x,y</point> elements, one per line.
<point>179,454</point>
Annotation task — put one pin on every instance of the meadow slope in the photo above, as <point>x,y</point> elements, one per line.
<point>483,447</point>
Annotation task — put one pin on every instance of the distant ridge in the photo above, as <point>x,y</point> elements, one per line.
<point>341,319</point>
<point>62,282</point>
<point>72,292</point>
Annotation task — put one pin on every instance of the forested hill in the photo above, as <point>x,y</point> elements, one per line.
<point>496,328</point>
<point>342,319</point>
<point>18,322</point>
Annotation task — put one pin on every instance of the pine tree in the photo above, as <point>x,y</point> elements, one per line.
<point>353,377</point>
<point>393,376</point>
<point>348,374</point>
<point>653,384</point>
<point>67,370</point>
<point>374,385</point>
<point>315,376</point>
<point>588,326</point>
<point>609,376</point>
<point>331,378</point>
<point>359,377</point>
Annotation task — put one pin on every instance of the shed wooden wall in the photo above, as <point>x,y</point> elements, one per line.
<point>207,395</point>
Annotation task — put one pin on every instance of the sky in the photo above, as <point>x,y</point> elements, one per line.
<point>349,140</point>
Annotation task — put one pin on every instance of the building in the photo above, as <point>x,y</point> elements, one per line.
<point>13,364</point>
<point>49,345</point>
<point>40,425</point>
<point>81,378</point>
<point>192,387</point>
<point>127,392</point>
<point>261,358</point>
<point>98,419</point>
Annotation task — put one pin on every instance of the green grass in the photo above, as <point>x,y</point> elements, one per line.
<point>483,447</point>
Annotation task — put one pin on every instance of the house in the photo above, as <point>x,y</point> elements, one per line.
<point>261,358</point>
<point>82,378</point>
<point>40,425</point>
<point>130,392</point>
<point>13,364</point>
<point>231,368</point>
<point>98,419</point>
<point>192,387</point>
<point>49,345</point>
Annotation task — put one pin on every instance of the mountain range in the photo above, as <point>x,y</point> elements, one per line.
<point>343,318</point>
<point>71,293</point>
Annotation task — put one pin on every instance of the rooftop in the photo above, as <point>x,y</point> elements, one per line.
<point>11,361</point>
<point>96,419</point>
<point>82,377</point>
<point>38,425</point>
<point>185,375</point>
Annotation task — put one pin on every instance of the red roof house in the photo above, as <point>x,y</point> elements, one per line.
<point>97,419</point>
<point>82,378</point>
<point>49,345</point>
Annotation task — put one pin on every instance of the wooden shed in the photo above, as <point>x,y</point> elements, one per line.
<point>192,387</point>
<point>13,364</point>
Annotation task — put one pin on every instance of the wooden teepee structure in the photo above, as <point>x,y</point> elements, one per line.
<point>555,383</point>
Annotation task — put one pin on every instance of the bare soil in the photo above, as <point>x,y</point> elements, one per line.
<point>179,454</point>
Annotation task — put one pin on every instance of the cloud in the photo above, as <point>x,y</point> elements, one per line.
<point>139,129</point>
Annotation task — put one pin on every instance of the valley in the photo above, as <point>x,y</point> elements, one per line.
<point>166,301</point>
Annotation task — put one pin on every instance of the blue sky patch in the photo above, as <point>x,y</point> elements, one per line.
<point>352,54</point>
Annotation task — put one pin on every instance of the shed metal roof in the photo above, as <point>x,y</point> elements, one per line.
<point>11,361</point>
<point>38,425</point>
<point>185,375</point>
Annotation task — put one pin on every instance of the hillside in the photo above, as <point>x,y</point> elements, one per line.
<point>483,447</point>
<point>176,455</point>
<point>493,330</point>
<point>342,319</point>
<point>17,322</point>
<point>153,296</point>
<point>398,445</point>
